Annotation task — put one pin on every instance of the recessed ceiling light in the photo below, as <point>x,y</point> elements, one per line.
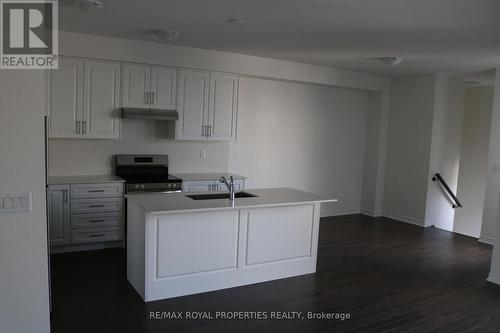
<point>96,3</point>
<point>234,20</point>
<point>390,61</point>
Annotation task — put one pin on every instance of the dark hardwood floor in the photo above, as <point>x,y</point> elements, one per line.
<point>389,276</point>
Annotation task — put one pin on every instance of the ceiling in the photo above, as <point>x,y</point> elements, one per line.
<point>432,36</point>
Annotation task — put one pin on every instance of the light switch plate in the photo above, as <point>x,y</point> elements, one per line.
<point>15,202</point>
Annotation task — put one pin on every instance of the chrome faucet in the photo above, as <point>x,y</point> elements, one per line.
<point>230,186</point>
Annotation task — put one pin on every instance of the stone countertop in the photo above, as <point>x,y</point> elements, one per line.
<point>169,203</point>
<point>206,176</point>
<point>83,179</point>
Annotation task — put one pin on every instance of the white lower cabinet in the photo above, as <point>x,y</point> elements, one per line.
<point>58,214</point>
<point>85,214</point>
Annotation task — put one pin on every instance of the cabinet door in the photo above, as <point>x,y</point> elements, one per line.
<point>59,214</point>
<point>223,107</point>
<point>163,88</point>
<point>192,104</point>
<point>199,186</point>
<point>65,100</point>
<point>136,86</point>
<point>100,101</point>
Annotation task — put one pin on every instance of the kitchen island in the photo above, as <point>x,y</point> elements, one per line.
<point>180,244</point>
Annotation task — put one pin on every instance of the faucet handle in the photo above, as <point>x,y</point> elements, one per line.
<point>222,179</point>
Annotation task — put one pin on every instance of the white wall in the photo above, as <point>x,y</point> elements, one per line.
<point>327,102</point>
<point>491,199</point>
<point>24,299</point>
<point>408,149</point>
<point>300,135</point>
<point>474,161</point>
<point>93,157</point>
<point>445,150</point>
<point>371,167</point>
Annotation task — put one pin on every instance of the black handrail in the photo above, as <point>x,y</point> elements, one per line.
<point>457,203</point>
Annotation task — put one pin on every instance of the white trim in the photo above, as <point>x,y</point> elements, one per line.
<point>486,240</point>
<point>337,212</point>
<point>407,219</point>
<point>135,51</point>
<point>493,278</point>
<point>372,213</point>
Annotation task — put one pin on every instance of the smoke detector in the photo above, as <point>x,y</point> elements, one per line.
<point>235,20</point>
<point>391,61</point>
<point>166,34</point>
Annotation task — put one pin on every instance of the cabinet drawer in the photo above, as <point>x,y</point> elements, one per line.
<point>83,206</point>
<point>83,221</point>
<point>96,190</point>
<point>91,235</point>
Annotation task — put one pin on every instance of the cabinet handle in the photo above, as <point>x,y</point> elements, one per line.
<point>210,130</point>
<point>152,98</point>
<point>146,98</point>
<point>96,221</point>
<point>96,235</point>
<point>95,191</point>
<point>96,206</point>
<point>77,126</point>
<point>84,127</point>
<point>203,130</point>
<point>65,196</point>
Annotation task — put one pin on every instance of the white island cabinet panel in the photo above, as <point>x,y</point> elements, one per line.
<point>179,246</point>
<point>193,245</point>
<point>279,234</point>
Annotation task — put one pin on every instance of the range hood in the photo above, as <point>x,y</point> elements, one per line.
<point>150,114</point>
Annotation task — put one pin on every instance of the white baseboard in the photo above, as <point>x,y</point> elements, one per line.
<point>407,219</point>
<point>486,240</point>
<point>372,213</point>
<point>493,278</point>
<point>337,212</point>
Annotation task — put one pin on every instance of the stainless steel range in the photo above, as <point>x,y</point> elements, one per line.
<point>146,173</point>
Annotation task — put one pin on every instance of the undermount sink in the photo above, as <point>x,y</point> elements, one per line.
<point>220,196</point>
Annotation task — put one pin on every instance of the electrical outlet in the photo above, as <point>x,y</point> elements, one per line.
<point>15,202</point>
<point>203,154</point>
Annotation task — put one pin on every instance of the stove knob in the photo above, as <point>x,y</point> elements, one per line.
<point>136,187</point>
<point>142,186</point>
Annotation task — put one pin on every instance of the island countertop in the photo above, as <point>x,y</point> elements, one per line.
<point>170,203</point>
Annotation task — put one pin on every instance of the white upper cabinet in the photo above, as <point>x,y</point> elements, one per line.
<point>222,107</point>
<point>163,88</point>
<point>149,87</point>
<point>101,100</point>
<point>136,86</point>
<point>192,105</point>
<point>84,99</point>
<point>207,104</point>
<point>66,99</point>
